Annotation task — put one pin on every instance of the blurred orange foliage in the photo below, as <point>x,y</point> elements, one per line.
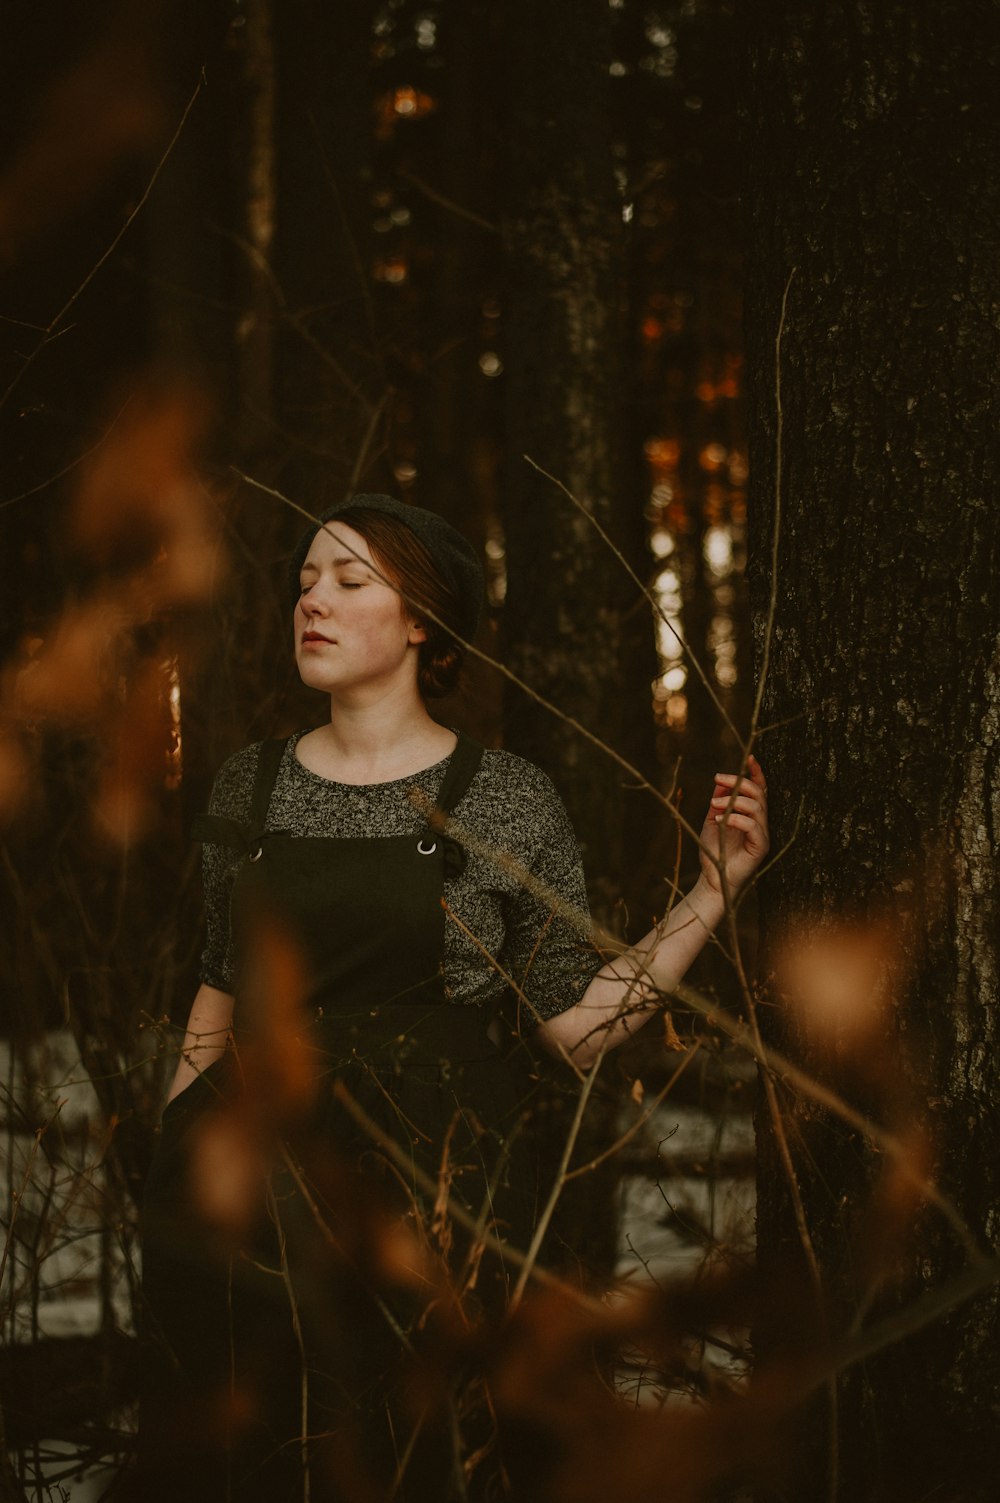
<point>105,109</point>
<point>142,523</point>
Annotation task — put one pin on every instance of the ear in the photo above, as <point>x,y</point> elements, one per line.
<point>417,632</point>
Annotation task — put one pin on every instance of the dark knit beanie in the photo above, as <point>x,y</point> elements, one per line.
<point>453,554</point>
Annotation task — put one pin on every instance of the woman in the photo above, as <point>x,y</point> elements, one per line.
<point>343,1182</point>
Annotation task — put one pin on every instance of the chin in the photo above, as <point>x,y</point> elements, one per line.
<point>310,678</point>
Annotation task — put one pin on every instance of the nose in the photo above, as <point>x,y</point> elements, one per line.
<point>311,603</point>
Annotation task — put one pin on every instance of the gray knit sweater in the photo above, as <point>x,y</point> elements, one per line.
<point>493,923</point>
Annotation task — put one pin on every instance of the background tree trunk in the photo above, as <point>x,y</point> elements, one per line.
<point>873,139</point>
<point>566,344</point>
<point>566,340</point>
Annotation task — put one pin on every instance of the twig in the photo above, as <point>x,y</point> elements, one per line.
<point>639,1123</point>
<point>18,1194</point>
<point>686,650</point>
<point>80,459</point>
<point>542,1225</point>
<point>327,1231</point>
<point>359,266</point>
<point>779,430</point>
<point>822,1095</point>
<point>402,1462</point>
<point>144,196</point>
<point>458,1212</point>
<point>798,1208</point>
<point>286,1279</point>
<point>505,975</point>
<point>922,1312</point>
<point>297,322</point>
<point>374,418</point>
<point>447,203</point>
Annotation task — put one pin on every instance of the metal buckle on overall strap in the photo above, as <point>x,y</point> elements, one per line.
<point>453,855</point>
<point>217,829</point>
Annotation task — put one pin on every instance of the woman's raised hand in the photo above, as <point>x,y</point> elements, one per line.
<point>618,998</point>
<point>735,829</point>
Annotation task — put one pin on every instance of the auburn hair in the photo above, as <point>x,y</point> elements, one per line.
<point>409,565</point>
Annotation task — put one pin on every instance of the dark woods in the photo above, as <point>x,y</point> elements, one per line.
<point>868,127</point>
<point>492,259</point>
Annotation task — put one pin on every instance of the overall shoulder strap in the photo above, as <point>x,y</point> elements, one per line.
<point>220,829</point>
<point>462,768</point>
<point>271,753</point>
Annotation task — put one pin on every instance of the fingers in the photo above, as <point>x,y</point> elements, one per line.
<point>737,821</point>
<point>740,804</point>
<point>738,812</point>
<point>746,793</point>
<point>755,785</point>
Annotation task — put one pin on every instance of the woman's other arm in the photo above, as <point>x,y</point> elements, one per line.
<point>208,1029</point>
<point>206,1038</point>
<point>623,993</point>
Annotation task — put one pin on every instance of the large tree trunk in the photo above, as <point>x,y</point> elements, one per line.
<point>873,137</point>
<point>565,357</point>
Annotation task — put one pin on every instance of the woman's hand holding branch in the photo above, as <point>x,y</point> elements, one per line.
<point>733,842</point>
<point>734,838</point>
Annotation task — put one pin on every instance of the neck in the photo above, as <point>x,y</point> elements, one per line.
<point>375,740</point>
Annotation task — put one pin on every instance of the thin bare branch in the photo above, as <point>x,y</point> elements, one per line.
<point>54,323</point>
<point>448,203</point>
<point>542,1224</point>
<point>43,485</point>
<point>506,1250</point>
<point>688,651</point>
<point>895,1327</point>
<point>814,1090</point>
<point>779,432</point>
<point>639,1123</point>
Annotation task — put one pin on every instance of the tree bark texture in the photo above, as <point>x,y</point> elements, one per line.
<point>565,615</point>
<point>873,140</point>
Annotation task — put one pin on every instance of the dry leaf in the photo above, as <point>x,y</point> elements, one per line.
<point>671,1038</point>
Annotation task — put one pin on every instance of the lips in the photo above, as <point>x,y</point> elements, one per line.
<point>314,636</point>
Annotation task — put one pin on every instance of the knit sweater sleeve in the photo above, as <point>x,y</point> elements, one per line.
<point>231,797</point>
<point>547,949</point>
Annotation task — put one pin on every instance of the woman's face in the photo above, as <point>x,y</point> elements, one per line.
<point>353,632</point>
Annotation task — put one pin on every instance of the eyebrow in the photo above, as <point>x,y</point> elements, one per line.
<point>346,558</point>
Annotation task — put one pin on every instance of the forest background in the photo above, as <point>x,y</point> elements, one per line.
<point>584,276</point>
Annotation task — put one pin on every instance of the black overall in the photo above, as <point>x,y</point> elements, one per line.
<point>384,1107</point>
